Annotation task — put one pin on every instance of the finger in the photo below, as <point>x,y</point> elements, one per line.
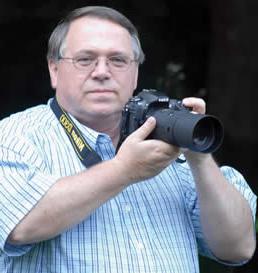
<point>198,105</point>
<point>146,128</point>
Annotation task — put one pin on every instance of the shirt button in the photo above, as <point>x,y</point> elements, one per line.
<point>127,208</point>
<point>140,246</point>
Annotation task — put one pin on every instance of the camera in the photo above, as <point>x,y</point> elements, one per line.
<point>175,123</point>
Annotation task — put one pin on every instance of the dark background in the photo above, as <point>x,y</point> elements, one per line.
<point>198,48</point>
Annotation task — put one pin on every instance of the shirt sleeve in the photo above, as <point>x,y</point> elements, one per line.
<point>238,181</point>
<point>24,180</point>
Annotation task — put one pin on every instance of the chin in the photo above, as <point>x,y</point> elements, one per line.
<point>105,112</point>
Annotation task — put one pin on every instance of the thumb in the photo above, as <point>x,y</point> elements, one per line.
<point>147,127</point>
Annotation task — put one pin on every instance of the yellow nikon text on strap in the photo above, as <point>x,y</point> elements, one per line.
<point>85,153</point>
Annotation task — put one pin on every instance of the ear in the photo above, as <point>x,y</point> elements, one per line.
<point>53,71</point>
<point>136,77</point>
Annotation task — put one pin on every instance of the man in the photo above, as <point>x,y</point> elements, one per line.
<point>137,210</point>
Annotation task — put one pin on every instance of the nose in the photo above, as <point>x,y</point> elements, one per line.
<point>101,69</point>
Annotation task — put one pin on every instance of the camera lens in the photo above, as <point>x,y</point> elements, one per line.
<point>207,134</point>
<point>197,132</point>
<point>203,134</point>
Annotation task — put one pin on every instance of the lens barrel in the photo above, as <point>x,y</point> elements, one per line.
<point>197,132</point>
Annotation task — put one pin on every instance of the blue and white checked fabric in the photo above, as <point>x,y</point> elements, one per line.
<point>150,227</point>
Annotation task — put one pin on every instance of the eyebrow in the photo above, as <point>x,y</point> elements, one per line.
<point>93,52</point>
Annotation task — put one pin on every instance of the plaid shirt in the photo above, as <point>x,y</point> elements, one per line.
<point>150,227</point>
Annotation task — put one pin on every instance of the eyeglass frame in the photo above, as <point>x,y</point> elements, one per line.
<point>94,62</point>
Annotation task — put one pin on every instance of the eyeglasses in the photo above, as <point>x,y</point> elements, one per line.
<point>88,63</point>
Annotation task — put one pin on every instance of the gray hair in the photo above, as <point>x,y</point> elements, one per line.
<point>57,39</point>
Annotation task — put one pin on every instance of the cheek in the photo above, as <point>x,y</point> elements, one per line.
<point>69,83</point>
<point>130,82</point>
<point>126,94</point>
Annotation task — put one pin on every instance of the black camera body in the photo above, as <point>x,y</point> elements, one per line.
<point>176,124</point>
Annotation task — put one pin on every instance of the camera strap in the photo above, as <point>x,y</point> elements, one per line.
<point>83,150</point>
<point>180,160</point>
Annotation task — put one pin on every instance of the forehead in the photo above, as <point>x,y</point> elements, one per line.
<point>89,33</point>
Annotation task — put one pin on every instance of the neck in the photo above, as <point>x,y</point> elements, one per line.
<point>108,125</point>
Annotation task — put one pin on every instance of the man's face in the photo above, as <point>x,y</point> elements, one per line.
<point>100,92</point>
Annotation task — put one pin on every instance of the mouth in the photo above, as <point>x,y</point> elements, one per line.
<point>101,91</point>
<point>101,95</point>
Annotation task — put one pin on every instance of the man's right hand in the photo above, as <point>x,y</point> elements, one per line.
<point>141,158</point>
